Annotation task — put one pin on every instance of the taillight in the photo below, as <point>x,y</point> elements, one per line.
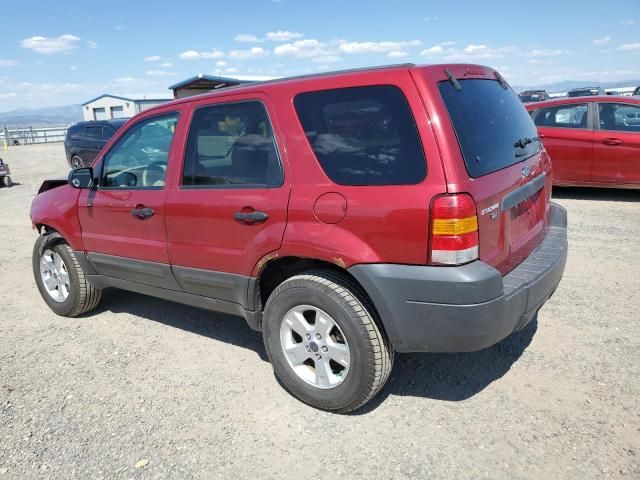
<point>454,230</point>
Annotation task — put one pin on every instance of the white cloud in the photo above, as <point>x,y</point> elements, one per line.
<point>630,47</point>
<point>628,22</point>
<point>8,63</point>
<point>283,36</point>
<point>327,59</point>
<point>51,45</point>
<point>254,52</point>
<point>230,70</point>
<point>432,51</point>
<point>397,54</point>
<point>195,55</point>
<point>447,44</point>
<point>125,80</point>
<point>248,38</point>
<point>307,48</point>
<point>166,65</point>
<point>533,61</point>
<point>376,47</point>
<point>601,41</point>
<point>92,44</point>
<point>475,48</point>
<point>482,52</point>
<point>546,52</point>
<point>153,58</point>
<point>119,27</point>
<point>159,73</point>
<point>8,95</point>
<point>73,68</point>
<point>221,63</point>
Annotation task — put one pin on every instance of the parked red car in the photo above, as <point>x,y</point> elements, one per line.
<point>345,215</point>
<point>592,141</point>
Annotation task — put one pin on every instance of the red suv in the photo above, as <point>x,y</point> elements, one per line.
<point>345,216</point>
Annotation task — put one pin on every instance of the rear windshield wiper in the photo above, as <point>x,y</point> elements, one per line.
<point>523,142</point>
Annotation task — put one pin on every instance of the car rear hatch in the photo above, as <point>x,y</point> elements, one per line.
<point>490,150</point>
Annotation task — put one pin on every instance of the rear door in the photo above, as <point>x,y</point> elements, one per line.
<point>491,151</point>
<point>122,220</point>
<point>567,133</point>
<point>229,207</point>
<point>616,147</point>
<point>92,143</point>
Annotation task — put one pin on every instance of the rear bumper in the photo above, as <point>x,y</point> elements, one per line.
<point>466,308</point>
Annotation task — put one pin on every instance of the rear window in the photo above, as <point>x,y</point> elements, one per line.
<point>363,135</point>
<point>493,128</point>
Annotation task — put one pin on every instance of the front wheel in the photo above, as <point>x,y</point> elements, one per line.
<point>7,181</point>
<point>62,282</point>
<point>76,162</point>
<point>323,342</point>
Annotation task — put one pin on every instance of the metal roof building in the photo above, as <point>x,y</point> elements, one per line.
<point>202,83</point>
<point>108,106</point>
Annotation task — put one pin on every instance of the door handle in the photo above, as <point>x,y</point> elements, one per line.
<point>251,217</point>
<point>142,213</point>
<point>612,141</point>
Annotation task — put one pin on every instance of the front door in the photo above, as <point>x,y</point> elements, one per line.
<point>566,132</point>
<point>230,207</point>
<point>122,220</point>
<point>616,146</point>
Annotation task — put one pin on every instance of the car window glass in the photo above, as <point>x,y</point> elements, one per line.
<point>563,116</point>
<point>93,133</point>
<point>492,127</point>
<point>107,133</point>
<point>74,133</point>
<point>363,135</point>
<point>231,145</point>
<point>619,117</point>
<point>139,159</point>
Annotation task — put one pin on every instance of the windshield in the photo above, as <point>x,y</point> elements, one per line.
<point>493,128</point>
<point>582,93</point>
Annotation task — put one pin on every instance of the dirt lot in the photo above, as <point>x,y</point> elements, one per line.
<point>144,388</point>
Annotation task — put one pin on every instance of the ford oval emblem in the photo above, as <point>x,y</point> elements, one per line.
<point>526,171</point>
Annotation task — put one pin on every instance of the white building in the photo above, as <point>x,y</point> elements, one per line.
<point>108,106</point>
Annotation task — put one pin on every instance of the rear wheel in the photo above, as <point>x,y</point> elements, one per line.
<point>323,342</point>
<point>76,162</point>
<point>62,282</point>
<point>7,181</point>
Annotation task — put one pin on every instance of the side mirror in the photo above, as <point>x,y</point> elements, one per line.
<point>81,178</point>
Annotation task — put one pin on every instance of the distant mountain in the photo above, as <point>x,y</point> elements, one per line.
<point>41,117</point>
<point>570,84</point>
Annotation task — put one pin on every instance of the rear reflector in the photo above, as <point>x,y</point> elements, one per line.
<point>454,230</point>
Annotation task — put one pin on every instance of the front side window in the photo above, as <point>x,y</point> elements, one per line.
<point>363,135</point>
<point>619,117</point>
<point>139,159</point>
<point>231,145</point>
<point>563,116</point>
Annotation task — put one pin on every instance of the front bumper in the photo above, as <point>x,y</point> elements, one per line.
<point>466,308</point>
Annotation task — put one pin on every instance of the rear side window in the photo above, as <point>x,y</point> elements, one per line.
<point>493,128</point>
<point>93,133</point>
<point>231,145</point>
<point>363,135</point>
<point>619,117</point>
<point>563,116</point>
<point>74,133</point>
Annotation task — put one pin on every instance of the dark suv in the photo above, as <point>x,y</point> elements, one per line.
<point>84,140</point>
<point>346,216</point>
<point>586,92</point>
<point>531,96</point>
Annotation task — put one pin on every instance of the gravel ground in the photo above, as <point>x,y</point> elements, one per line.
<point>144,388</point>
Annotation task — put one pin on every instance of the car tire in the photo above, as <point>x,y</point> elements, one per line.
<point>348,363</point>
<point>7,181</point>
<point>61,281</point>
<point>76,162</point>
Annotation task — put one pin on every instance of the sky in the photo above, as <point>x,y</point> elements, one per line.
<point>69,51</point>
